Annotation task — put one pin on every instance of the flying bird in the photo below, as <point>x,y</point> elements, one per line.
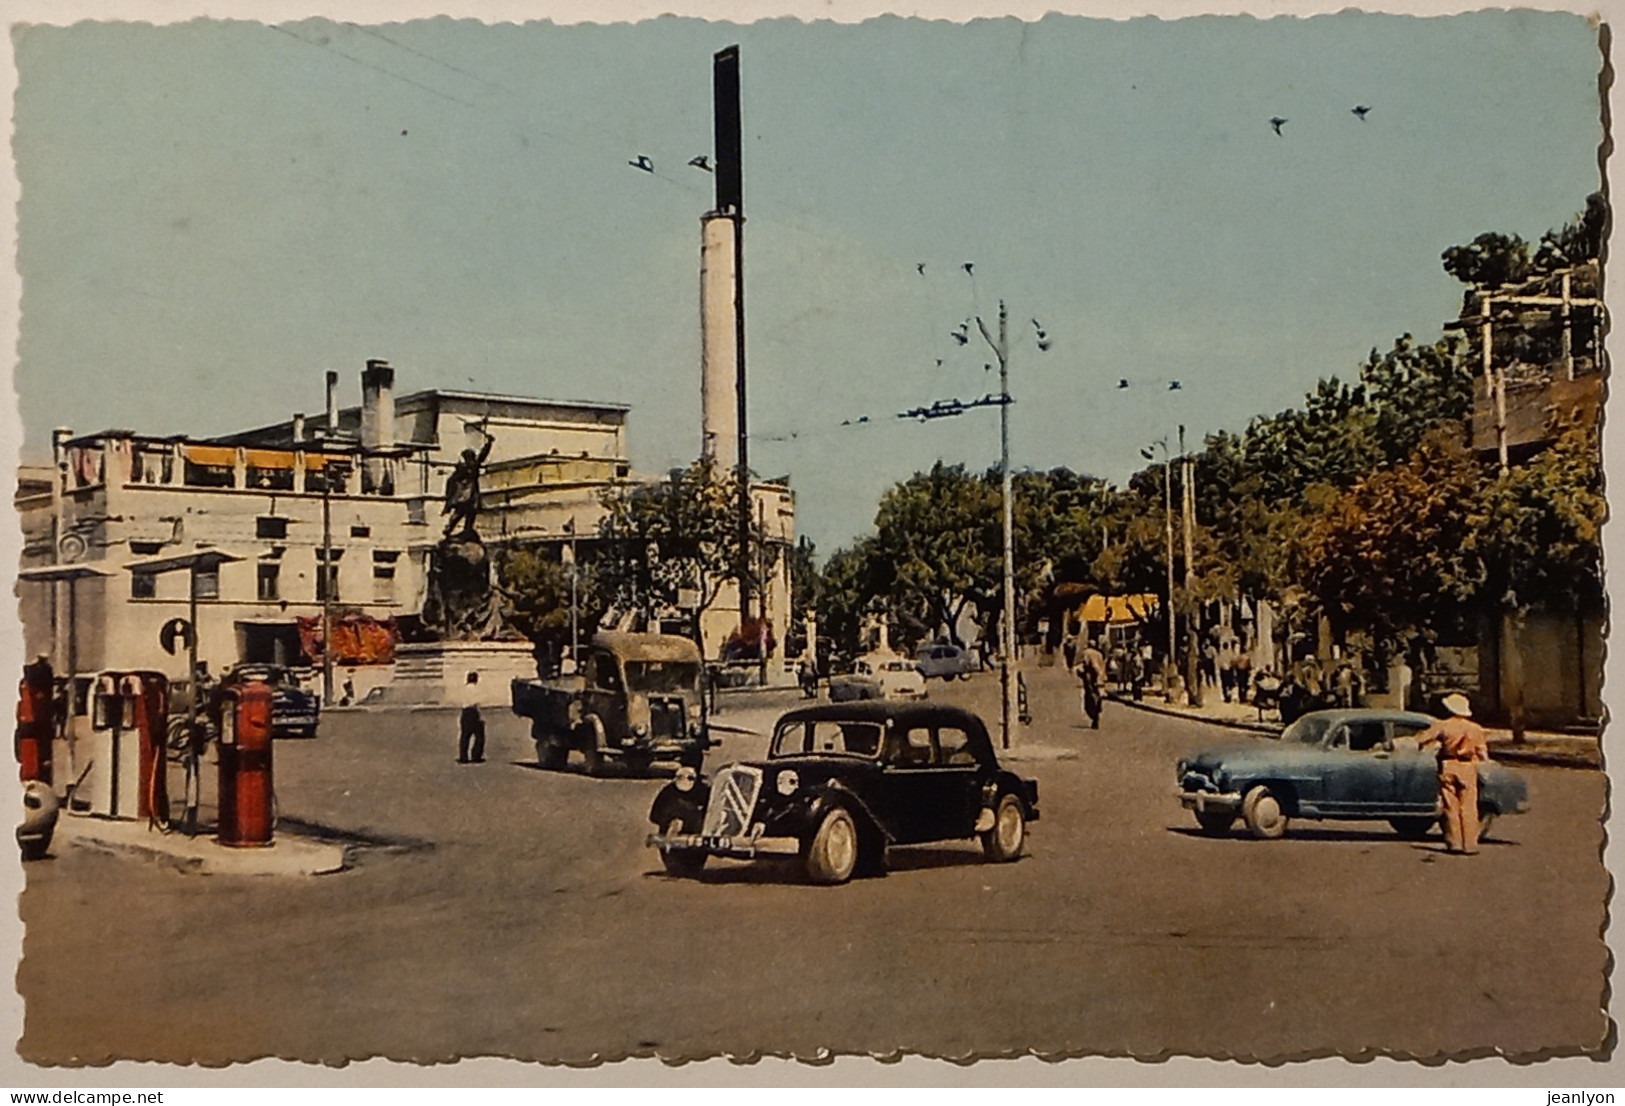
<point>1277,123</point>
<point>643,162</point>
<point>939,362</point>
<point>920,268</point>
<point>1146,453</point>
<point>1122,384</point>
<point>1174,385</point>
<point>1360,111</point>
<point>968,267</point>
<point>701,162</point>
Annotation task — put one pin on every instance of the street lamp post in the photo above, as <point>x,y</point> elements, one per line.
<point>1168,538</point>
<point>331,470</point>
<point>1193,626</point>
<point>1007,627</point>
<point>570,556</point>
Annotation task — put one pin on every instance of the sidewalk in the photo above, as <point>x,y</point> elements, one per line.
<point>1538,747</point>
<point>288,855</point>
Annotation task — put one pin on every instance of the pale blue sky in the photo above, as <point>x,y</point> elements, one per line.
<point>213,214</point>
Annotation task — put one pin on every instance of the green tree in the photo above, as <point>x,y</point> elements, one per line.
<point>938,537</point>
<point>679,534</point>
<point>1390,555</point>
<point>539,589</point>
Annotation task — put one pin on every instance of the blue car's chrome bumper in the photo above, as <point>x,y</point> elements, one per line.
<point>1202,801</point>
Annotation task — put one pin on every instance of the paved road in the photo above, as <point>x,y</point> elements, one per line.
<point>508,911</point>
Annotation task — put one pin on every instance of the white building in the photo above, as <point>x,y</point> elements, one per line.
<point>372,476</point>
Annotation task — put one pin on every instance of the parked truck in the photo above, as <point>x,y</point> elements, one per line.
<point>635,699</point>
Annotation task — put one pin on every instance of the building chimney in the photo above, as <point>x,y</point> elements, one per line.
<point>378,406</point>
<point>378,423</point>
<point>332,403</point>
<point>298,428</point>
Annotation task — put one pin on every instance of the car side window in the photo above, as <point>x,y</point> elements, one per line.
<point>910,748</point>
<point>955,746</point>
<point>1365,737</point>
<point>604,674</point>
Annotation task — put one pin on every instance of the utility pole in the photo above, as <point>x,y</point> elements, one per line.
<point>1007,627</point>
<point>1193,625</point>
<point>331,470</point>
<point>575,633</point>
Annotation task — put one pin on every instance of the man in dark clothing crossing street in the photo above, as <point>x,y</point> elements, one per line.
<point>471,727</point>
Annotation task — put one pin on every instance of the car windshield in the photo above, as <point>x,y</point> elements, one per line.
<point>1308,730</point>
<point>828,738</point>
<point>662,676</point>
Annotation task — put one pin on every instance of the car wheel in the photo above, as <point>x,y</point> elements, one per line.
<point>681,863</point>
<point>1215,823</point>
<point>964,675</point>
<point>1005,840</point>
<point>833,854</point>
<point>1413,828</point>
<point>551,753</point>
<point>1261,810</point>
<point>592,758</point>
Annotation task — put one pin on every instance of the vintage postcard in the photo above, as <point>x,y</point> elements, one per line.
<point>643,541</point>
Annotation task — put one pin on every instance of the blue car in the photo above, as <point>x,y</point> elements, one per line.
<point>1340,764</point>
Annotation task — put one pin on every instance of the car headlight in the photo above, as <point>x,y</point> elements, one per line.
<point>641,729</point>
<point>788,782</point>
<point>686,778</point>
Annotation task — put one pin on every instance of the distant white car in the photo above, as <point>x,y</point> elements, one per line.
<point>944,661</point>
<point>879,676</point>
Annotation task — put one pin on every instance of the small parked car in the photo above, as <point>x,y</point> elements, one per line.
<point>843,783</point>
<point>944,661</point>
<point>295,712</point>
<point>1355,764</point>
<point>879,676</point>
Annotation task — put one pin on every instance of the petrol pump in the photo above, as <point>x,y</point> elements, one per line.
<point>247,797</point>
<point>129,723</point>
<point>36,722</point>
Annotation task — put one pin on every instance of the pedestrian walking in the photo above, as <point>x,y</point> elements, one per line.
<point>1092,671</point>
<point>470,726</point>
<point>1462,745</point>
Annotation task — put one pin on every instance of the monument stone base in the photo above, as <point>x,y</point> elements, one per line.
<point>436,672</point>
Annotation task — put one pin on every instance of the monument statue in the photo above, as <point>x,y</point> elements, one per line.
<point>463,489</point>
<point>464,602</point>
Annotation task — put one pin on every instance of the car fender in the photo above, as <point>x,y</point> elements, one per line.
<point>591,727</point>
<point>1289,789</point>
<point>835,793</point>
<point>1008,783</point>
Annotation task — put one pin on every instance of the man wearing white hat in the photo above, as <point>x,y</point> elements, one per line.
<point>1462,745</point>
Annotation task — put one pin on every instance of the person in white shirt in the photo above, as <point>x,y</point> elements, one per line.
<point>471,727</point>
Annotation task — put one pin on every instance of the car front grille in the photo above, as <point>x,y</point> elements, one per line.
<point>733,800</point>
<point>667,718</point>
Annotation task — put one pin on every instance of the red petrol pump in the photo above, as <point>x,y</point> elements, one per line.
<point>36,722</point>
<point>246,792</point>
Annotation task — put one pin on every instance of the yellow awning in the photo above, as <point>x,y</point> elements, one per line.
<point>220,455</point>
